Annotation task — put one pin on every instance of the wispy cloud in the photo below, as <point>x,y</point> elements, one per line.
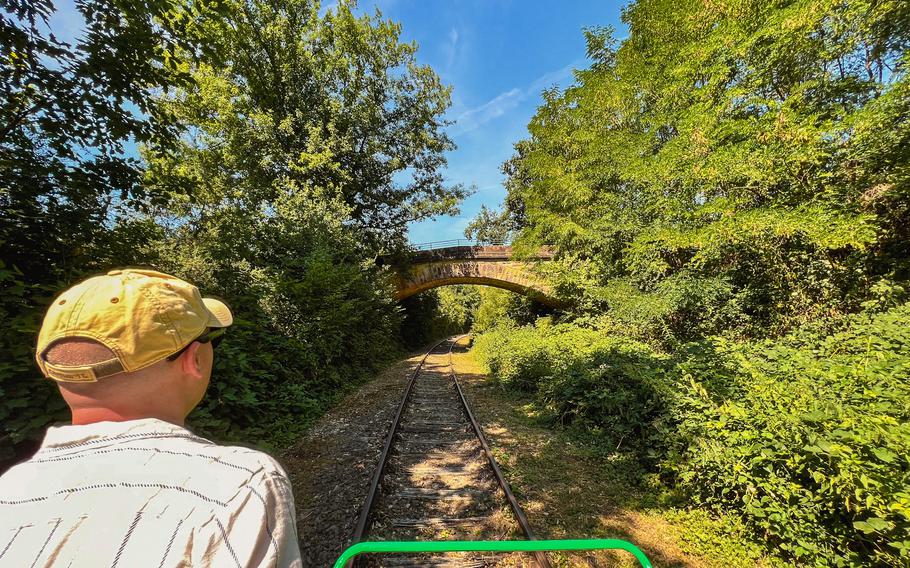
<point>451,49</point>
<point>502,103</point>
<point>498,106</point>
<point>547,80</point>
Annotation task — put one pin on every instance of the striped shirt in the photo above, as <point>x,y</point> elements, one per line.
<point>145,493</point>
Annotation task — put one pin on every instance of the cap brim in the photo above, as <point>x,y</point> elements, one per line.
<point>219,314</point>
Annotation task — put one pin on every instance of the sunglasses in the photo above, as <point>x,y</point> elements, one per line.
<point>212,335</point>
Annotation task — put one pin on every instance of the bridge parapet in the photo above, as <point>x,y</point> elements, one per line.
<point>454,243</point>
<point>486,252</point>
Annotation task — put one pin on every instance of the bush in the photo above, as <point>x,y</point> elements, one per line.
<point>804,439</point>
<point>807,438</point>
<point>301,341</point>
<point>311,321</point>
<point>607,384</point>
<point>29,403</point>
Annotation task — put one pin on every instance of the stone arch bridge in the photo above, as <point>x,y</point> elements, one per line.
<point>491,265</point>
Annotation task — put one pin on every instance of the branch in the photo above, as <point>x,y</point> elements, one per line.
<point>17,119</point>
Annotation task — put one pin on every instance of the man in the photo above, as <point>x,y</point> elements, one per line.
<point>126,484</point>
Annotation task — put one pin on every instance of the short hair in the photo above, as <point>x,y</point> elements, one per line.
<point>77,351</point>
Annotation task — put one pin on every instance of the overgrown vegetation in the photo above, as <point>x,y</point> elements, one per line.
<point>438,313</point>
<point>803,438</point>
<point>608,384</point>
<point>806,438</point>
<point>728,192</point>
<point>571,487</point>
<point>249,147</point>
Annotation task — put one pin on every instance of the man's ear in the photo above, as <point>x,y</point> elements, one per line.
<point>189,361</point>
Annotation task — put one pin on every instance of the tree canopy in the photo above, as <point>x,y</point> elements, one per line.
<point>266,151</point>
<point>754,152</point>
<point>333,104</point>
<point>727,191</point>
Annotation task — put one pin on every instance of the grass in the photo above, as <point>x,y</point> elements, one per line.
<point>572,488</point>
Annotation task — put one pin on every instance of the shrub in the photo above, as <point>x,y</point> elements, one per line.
<point>310,322</point>
<point>607,384</point>
<point>516,356</point>
<point>29,403</point>
<point>806,438</point>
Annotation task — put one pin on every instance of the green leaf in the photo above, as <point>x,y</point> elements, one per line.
<point>871,525</point>
<point>884,454</point>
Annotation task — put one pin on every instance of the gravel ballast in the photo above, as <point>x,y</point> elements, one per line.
<point>332,465</point>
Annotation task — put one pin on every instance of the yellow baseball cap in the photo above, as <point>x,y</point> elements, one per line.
<point>142,316</point>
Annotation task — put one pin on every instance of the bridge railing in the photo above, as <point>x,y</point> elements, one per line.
<point>456,243</point>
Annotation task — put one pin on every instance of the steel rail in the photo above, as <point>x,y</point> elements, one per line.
<point>539,556</point>
<point>361,529</point>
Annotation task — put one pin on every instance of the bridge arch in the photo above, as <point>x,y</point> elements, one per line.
<point>481,265</point>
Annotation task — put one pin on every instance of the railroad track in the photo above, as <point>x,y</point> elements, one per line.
<point>437,478</point>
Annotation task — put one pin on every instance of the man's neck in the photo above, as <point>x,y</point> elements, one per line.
<point>82,416</point>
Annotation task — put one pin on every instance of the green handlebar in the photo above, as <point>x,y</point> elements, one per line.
<point>385,546</point>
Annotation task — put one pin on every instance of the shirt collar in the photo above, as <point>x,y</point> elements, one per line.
<point>61,435</point>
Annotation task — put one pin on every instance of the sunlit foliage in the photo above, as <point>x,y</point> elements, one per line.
<point>757,150</point>
<point>269,137</point>
<point>728,191</point>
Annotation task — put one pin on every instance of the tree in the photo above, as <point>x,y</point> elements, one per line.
<point>68,115</point>
<point>335,104</point>
<point>746,150</point>
<point>489,227</point>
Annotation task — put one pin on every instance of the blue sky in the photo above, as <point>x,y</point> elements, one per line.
<point>498,55</point>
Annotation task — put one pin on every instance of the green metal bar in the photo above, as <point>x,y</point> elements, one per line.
<point>386,546</point>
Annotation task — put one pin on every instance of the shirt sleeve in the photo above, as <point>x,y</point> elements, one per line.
<point>258,529</point>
